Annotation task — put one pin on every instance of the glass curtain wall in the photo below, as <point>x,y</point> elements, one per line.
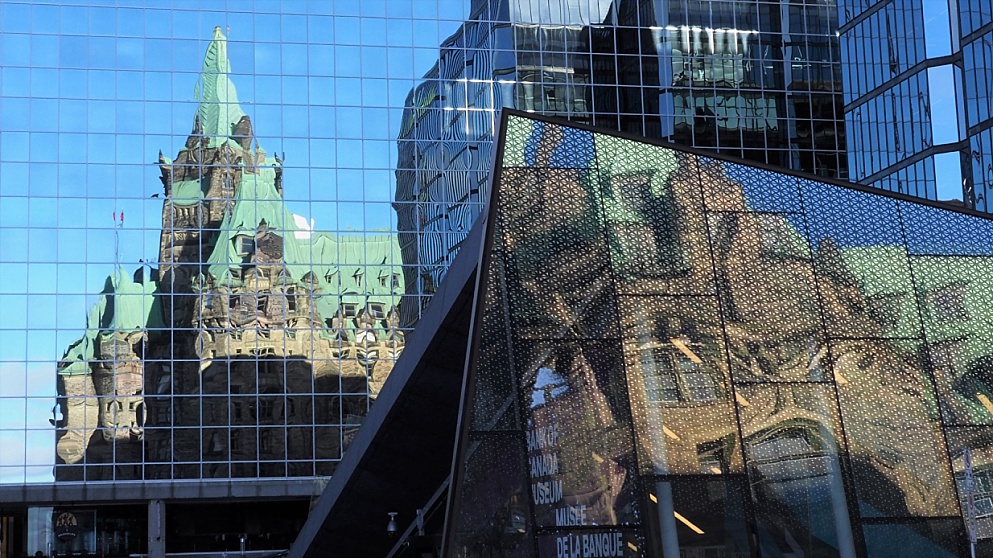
<point>755,79</point>
<point>199,271</point>
<point>681,356</point>
<point>200,278</point>
<point>917,97</point>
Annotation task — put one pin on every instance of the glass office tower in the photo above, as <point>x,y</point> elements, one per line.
<point>200,278</point>
<point>758,80</point>
<point>918,78</point>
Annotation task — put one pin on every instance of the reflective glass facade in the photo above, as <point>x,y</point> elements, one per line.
<point>254,346</point>
<point>917,77</point>
<point>759,80</point>
<point>200,279</point>
<point>677,355</point>
<point>219,221</point>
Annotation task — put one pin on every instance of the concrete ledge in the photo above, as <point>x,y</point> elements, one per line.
<point>110,492</point>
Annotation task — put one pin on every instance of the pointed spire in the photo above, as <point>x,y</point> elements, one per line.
<point>216,60</point>
<point>219,110</point>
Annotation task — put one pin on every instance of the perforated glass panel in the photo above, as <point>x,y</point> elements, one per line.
<point>786,366</point>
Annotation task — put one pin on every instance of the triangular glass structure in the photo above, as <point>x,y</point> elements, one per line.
<point>681,356</point>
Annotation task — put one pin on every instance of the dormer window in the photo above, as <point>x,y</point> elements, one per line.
<point>947,304</point>
<point>244,244</point>
<point>309,281</point>
<point>377,310</point>
<point>886,309</point>
<point>349,309</point>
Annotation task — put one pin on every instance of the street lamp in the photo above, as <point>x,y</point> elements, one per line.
<point>391,525</point>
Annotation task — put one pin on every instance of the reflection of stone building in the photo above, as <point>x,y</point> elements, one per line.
<point>100,380</point>
<point>253,350</point>
<point>679,355</point>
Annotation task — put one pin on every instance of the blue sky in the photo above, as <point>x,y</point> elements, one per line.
<point>90,94</point>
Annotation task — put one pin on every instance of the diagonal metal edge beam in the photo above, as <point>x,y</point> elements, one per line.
<point>391,465</point>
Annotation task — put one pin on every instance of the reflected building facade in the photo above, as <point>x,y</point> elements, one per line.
<point>251,352</point>
<point>917,97</point>
<point>213,390</point>
<point>675,354</point>
<point>756,80</point>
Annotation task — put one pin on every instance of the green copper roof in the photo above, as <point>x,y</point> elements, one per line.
<point>255,201</point>
<point>867,262</point>
<point>634,164</point>
<point>339,264</point>
<point>621,157</point>
<point>518,131</point>
<point>124,306</point>
<point>132,304</point>
<point>349,264</point>
<point>219,109</point>
<point>346,269</point>
<point>963,284</point>
<point>189,192</point>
